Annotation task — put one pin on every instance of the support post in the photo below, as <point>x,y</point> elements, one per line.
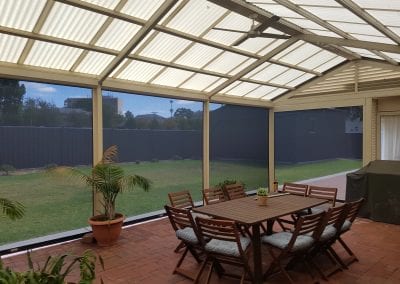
<point>97,113</point>
<point>271,149</point>
<point>206,144</point>
<point>367,131</point>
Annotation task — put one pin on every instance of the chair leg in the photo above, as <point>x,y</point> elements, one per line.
<point>198,275</point>
<point>276,262</point>
<point>337,257</point>
<point>352,257</point>
<point>180,246</point>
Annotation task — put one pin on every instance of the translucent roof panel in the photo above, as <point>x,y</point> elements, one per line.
<point>11,47</point>
<point>356,28</point>
<point>259,92</point>
<point>388,18</point>
<point>329,64</point>
<point>94,63</point>
<point>226,62</point>
<point>271,46</point>
<point>51,55</point>
<point>256,45</point>
<point>242,89</point>
<point>241,66</point>
<point>300,80</point>
<point>215,84</point>
<point>257,69</point>
<point>331,3</point>
<point>235,21</point>
<point>306,24</point>
<point>68,22</point>
<point>299,54</point>
<point>118,34</point>
<point>227,38</point>
<point>198,55</point>
<point>109,4</point>
<point>278,10</point>
<point>395,56</point>
<point>147,71</point>
<point>374,38</point>
<point>165,47</point>
<point>364,52</point>
<point>378,4</point>
<point>141,9</point>
<point>196,17</point>
<point>333,13</point>
<point>274,94</point>
<point>289,49</point>
<point>287,76</point>
<point>317,59</point>
<point>20,14</point>
<point>199,82</point>
<point>172,77</point>
<point>270,72</point>
<point>229,87</point>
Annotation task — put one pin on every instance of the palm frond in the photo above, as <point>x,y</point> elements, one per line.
<point>110,155</point>
<point>12,209</point>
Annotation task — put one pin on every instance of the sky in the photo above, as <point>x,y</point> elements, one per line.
<point>137,104</point>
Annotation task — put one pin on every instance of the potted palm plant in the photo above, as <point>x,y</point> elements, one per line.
<point>109,179</point>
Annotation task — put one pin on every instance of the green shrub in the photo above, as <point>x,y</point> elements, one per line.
<point>6,169</point>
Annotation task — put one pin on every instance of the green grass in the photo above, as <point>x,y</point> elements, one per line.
<point>59,205</point>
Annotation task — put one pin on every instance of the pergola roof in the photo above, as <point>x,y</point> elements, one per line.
<point>171,47</point>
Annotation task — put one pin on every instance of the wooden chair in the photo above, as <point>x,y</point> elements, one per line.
<point>213,195</point>
<point>293,244</point>
<point>328,193</point>
<point>234,191</point>
<point>295,188</point>
<point>181,199</point>
<point>185,229</point>
<point>224,245</point>
<point>288,222</point>
<point>334,220</point>
<point>352,210</point>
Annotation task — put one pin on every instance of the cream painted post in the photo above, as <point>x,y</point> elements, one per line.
<point>206,144</point>
<point>271,148</point>
<point>97,140</point>
<point>367,131</point>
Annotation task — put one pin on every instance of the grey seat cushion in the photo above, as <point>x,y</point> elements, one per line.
<point>187,234</point>
<point>194,215</point>
<point>328,233</point>
<point>281,240</point>
<point>346,226</point>
<point>227,247</point>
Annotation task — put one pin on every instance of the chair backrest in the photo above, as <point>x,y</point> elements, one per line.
<point>180,218</point>
<point>353,208</point>
<point>213,195</point>
<point>224,230</point>
<point>234,191</point>
<point>336,215</point>
<point>295,188</point>
<point>328,193</point>
<point>181,199</point>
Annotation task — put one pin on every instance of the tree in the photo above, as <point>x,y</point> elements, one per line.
<point>183,113</point>
<point>130,121</point>
<point>11,100</point>
<point>38,112</point>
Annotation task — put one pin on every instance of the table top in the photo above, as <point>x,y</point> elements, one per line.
<point>247,211</point>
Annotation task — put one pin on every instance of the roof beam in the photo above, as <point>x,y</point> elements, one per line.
<point>99,33</point>
<point>353,7</point>
<point>370,45</point>
<point>118,15</point>
<point>325,24</point>
<point>291,66</point>
<point>51,39</point>
<point>252,66</point>
<point>149,25</point>
<point>246,9</point>
<point>38,26</point>
<point>201,71</point>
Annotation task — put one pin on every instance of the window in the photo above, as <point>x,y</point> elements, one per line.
<point>158,138</point>
<point>41,126</point>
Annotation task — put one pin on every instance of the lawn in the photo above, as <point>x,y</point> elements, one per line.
<point>58,205</point>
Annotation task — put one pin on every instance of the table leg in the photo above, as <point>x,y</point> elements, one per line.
<point>256,241</point>
<point>270,225</point>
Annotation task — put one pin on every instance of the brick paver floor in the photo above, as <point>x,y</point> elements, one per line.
<point>145,254</point>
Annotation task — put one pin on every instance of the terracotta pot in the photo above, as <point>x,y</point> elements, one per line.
<point>262,200</point>
<point>107,232</point>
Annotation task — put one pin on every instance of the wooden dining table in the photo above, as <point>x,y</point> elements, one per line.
<point>246,211</point>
